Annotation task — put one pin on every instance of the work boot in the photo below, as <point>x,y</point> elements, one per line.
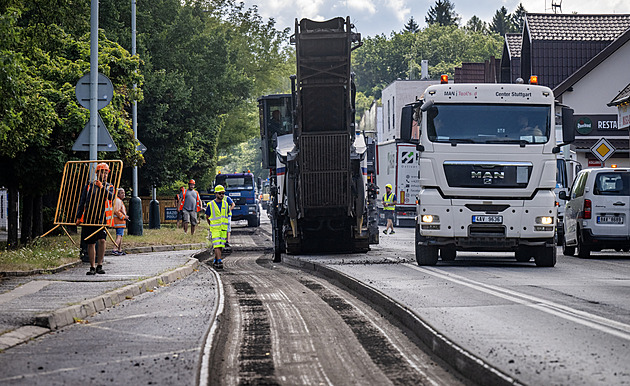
<point>385,231</point>
<point>99,269</point>
<point>392,232</point>
<point>92,271</point>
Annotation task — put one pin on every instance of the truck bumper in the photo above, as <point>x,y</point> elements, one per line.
<point>518,222</point>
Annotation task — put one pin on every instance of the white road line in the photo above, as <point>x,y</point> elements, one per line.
<point>584,318</point>
<point>204,372</point>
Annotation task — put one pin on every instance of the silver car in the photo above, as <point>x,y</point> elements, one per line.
<point>597,212</point>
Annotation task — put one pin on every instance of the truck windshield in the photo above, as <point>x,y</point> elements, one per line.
<point>236,183</point>
<point>486,123</point>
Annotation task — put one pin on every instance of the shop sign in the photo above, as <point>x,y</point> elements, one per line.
<point>584,125</point>
<point>623,116</point>
<point>593,163</point>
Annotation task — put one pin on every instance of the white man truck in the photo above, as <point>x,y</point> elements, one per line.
<point>398,166</point>
<point>487,170</point>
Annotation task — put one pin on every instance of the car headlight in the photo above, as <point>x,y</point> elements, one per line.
<point>429,218</point>
<point>544,220</point>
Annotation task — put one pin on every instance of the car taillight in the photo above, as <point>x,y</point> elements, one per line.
<point>588,208</point>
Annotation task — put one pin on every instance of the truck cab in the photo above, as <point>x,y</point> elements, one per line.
<point>241,188</point>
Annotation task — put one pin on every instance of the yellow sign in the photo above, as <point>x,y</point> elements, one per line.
<point>602,149</point>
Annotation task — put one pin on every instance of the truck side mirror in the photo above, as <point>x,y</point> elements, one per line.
<point>406,123</point>
<point>568,129</point>
<point>563,195</point>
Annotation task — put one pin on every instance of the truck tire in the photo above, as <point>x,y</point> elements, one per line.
<point>448,254</point>
<point>425,254</point>
<point>545,256</point>
<point>523,255</point>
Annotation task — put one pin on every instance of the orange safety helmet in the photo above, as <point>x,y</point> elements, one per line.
<point>102,166</point>
<point>191,181</point>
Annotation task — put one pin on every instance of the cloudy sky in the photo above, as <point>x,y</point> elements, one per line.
<point>373,17</point>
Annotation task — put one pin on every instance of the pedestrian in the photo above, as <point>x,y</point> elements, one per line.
<point>178,199</point>
<point>190,205</point>
<point>95,207</point>
<point>217,217</point>
<point>120,221</point>
<point>229,229</point>
<point>389,204</point>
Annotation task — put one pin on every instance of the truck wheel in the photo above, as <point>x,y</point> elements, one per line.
<point>545,256</point>
<point>583,251</point>
<point>426,254</point>
<point>523,255</point>
<point>448,254</point>
<point>567,250</point>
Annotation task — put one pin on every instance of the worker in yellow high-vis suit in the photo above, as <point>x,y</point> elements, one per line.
<point>217,217</point>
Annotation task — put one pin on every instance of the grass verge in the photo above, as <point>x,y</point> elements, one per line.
<point>54,251</point>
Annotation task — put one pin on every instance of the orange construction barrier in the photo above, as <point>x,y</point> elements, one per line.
<point>76,175</point>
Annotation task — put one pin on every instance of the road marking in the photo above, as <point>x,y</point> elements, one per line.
<point>204,371</point>
<point>27,289</point>
<point>612,327</point>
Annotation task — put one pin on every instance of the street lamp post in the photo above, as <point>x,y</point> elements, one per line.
<point>135,203</point>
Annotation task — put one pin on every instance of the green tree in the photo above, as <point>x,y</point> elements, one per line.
<point>411,26</point>
<point>502,22</point>
<point>442,13</point>
<point>518,17</point>
<point>475,24</point>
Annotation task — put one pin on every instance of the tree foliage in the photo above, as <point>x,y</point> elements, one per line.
<point>502,22</point>
<point>442,13</point>
<point>411,26</point>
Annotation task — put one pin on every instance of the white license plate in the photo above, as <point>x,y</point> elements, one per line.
<point>487,219</point>
<point>236,207</point>
<point>609,220</point>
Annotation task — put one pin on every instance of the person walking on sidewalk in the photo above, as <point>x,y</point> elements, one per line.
<point>191,204</point>
<point>120,221</point>
<point>389,204</point>
<point>217,217</point>
<point>95,208</point>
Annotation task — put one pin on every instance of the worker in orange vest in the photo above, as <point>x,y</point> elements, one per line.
<point>190,206</point>
<point>95,210</point>
<point>120,221</point>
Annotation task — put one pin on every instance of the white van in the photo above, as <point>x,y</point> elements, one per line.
<point>597,212</point>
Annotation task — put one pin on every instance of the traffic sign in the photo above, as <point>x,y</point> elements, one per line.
<point>104,139</point>
<point>104,94</point>
<point>140,147</point>
<point>602,149</point>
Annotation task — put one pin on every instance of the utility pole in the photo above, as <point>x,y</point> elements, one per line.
<point>93,84</point>
<point>135,204</point>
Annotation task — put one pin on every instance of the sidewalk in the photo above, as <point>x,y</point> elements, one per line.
<point>33,305</point>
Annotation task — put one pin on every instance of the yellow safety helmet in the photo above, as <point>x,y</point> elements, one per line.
<point>388,186</point>
<point>219,188</point>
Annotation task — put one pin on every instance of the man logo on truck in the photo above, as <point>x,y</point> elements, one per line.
<point>488,177</point>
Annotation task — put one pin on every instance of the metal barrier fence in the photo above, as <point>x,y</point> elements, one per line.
<point>76,176</point>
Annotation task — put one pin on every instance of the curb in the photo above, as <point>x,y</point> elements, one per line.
<point>468,364</point>
<point>54,320</point>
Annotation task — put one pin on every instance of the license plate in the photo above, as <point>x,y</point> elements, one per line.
<point>237,207</point>
<point>487,219</point>
<point>609,220</point>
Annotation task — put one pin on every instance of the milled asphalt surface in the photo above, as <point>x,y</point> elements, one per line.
<point>33,305</point>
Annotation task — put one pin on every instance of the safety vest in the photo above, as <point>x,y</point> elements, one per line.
<point>181,205</point>
<point>218,223</point>
<point>109,210</point>
<point>389,200</point>
<point>119,218</point>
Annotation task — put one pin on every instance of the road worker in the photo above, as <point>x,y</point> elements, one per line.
<point>190,206</point>
<point>389,204</point>
<point>95,207</point>
<point>217,217</point>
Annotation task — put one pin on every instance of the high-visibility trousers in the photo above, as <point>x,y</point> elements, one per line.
<point>219,237</point>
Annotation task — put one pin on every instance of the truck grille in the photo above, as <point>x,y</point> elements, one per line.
<point>479,174</point>
<point>325,170</point>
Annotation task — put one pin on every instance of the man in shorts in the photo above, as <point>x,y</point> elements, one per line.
<point>95,207</point>
<point>389,205</point>
<point>190,205</point>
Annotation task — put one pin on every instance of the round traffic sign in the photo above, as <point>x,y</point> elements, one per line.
<point>104,94</point>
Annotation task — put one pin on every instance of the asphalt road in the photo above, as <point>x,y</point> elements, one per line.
<point>282,326</point>
<point>567,325</point>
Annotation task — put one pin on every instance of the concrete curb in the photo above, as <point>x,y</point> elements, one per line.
<point>54,320</point>
<point>469,365</point>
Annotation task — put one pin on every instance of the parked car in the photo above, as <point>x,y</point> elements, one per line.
<point>597,212</point>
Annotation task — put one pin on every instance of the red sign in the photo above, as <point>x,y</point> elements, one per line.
<point>594,163</point>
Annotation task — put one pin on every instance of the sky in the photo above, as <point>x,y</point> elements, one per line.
<point>374,17</point>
